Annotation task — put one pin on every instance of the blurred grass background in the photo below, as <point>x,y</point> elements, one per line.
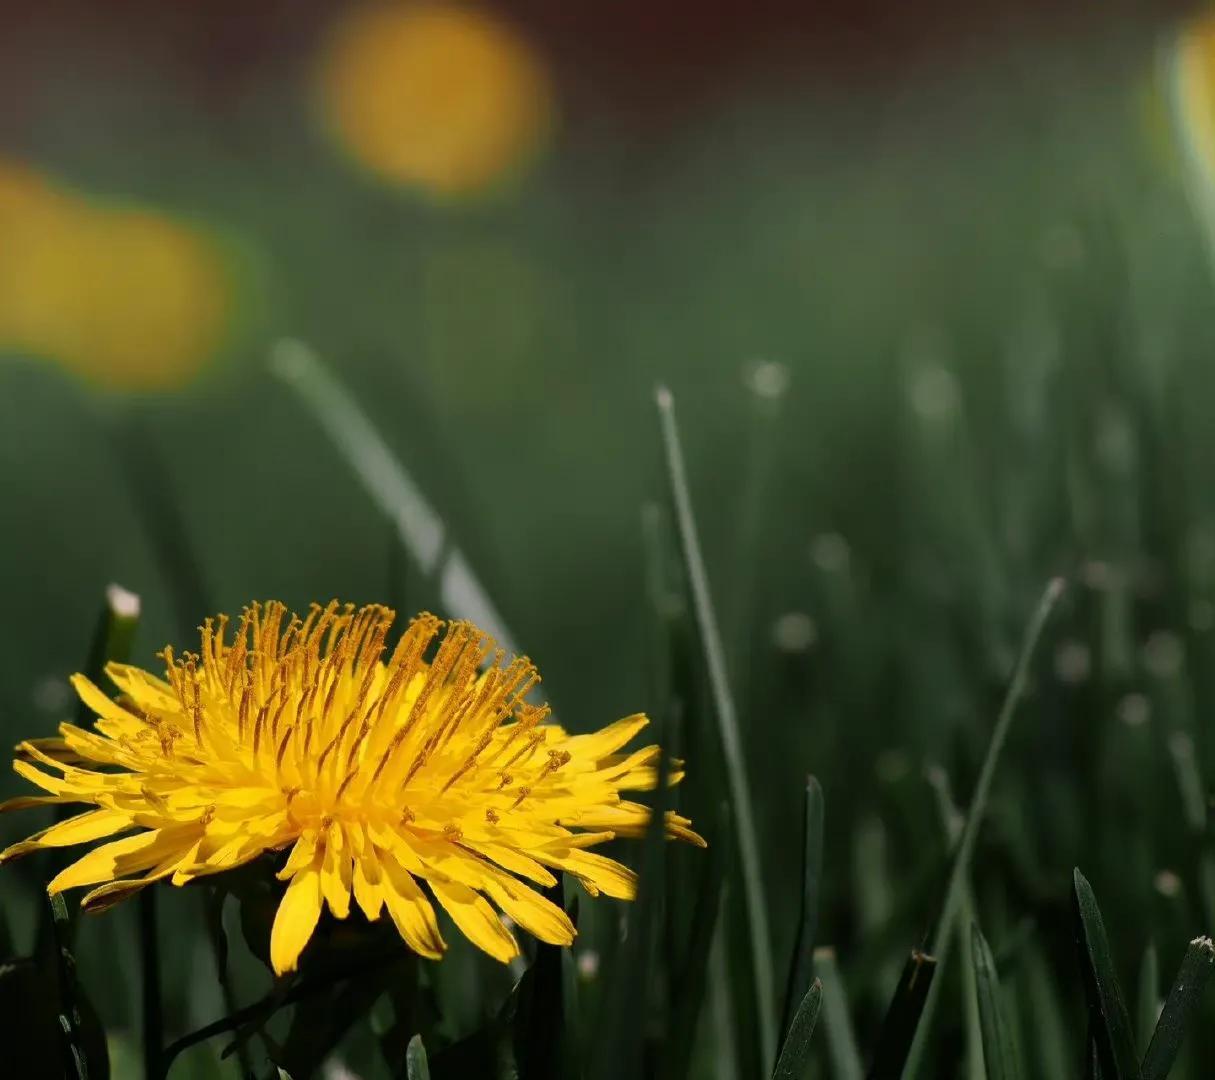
<point>933,296</point>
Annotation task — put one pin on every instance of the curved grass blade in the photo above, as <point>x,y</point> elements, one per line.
<point>801,963</point>
<point>941,936</point>
<point>1179,1008</point>
<point>795,1055</point>
<point>903,1017</point>
<point>416,1065</point>
<point>999,1047</point>
<point>1106,1003</point>
<point>841,1039</point>
<point>421,530</point>
<point>74,1053</point>
<point>727,723</point>
<point>1147,1002</point>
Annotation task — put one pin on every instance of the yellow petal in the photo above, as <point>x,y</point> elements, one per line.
<point>607,741</point>
<point>537,915</point>
<point>295,920</point>
<point>101,704</point>
<point>121,857</point>
<point>80,829</point>
<point>514,861</point>
<point>597,872</point>
<point>367,878</point>
<point>25,802</point>
<point>411,911</point>
<point>475,918</point>
<point>335,877</point>
<point>302,854</point>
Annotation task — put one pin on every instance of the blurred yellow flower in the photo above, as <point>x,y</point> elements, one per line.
<point>441,96</point>
<point>375,769</point>
<point>1191,70</point>
<point>125,297</point>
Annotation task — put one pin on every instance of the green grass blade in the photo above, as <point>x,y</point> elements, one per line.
<point>903,1017</point>
<point>801,963</point>
<point>70,1022</point>
<point>1113,1031</point>
<point>727,721</point>
<point>941,936</point>
<point>1179,1008</point>
<point>1147,1002</point>
<point>116,625</point>
<point>795,1055</point>
<point>842,1050</point>
<point>978,802</point>
<point>416,1065</point>
<point>390,487</point>
<point>999,1048</point>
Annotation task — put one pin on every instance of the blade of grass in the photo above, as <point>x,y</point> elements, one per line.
<point>1147,1004</point>
<point>727,722</point>
<point>693,979</point>
<point>1106,1003</point>
<point>416,1065</point>
<point>795,1054</point>
<point>1179,1008</point>
<point>939,939</point>
<point>841,1039</point>
<point>1000,1054</point>
<point>801,962</point>
<point>74,1052</point>
<point>389,485</point>
<point>903,1017</point>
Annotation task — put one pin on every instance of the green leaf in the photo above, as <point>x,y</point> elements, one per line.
<point>416,1066</point>
<point>999,1048</point>
<point>1113,1029</point>
<point>841,1040</point>
<point>726,715</point>
<point>903,1017</point>
<point>801,962</point>
<point>1179,1008</point>
<point>795,1055</point>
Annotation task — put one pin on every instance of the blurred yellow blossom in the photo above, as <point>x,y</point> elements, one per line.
<point>441,96</point>
<point>123,296</point>
<point>1191,71</point>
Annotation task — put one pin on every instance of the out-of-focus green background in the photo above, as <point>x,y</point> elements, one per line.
<point>933,294</point>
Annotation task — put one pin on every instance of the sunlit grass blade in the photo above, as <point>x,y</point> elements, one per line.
<point>1179,1008</point>
<point>801,963</point>
<point>389,485</point>
<point>999,1048</point>
<point>795,1054</point>
<point>416,1065</point>
<point>1113,1029</point>
<point>750,868</point>
<point>842,1050</point>
<point>903,1017</point>
<point>941,936</point>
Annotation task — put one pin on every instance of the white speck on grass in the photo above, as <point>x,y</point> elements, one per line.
<point>1134,710</point>
<point>588,964</point>
<point>51,694</point>
<point>766,378</point>
<point>1163,654</point>
<point>123,602</point>
<point>794,632</point>
<point>1073,662</point>
<point>1167,883</point>
<point>830,552</point>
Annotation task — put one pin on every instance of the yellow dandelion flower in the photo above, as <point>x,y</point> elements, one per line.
<point>442,96</point>
<point>379,771</point>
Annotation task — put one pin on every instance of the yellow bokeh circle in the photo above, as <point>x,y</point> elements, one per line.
<point>439,96</point>
<point>126,297</point>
